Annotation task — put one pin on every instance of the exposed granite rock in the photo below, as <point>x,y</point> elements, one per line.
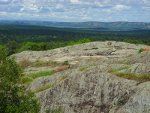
<point>88,86</point>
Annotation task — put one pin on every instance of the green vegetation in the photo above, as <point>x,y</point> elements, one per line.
<point>13,97</point>
<point>38,38</point>
<point>139,77</point>
<point>58,110</point>
<point>132,76</point>
<point>42,88</point>
<point>14,46</point>
<point>40,46</point>
<point>30,77</point>
<point>141,50</point>
<point>26,80</point>
<point>83,69</point>
<point>41,74</point>
<point>66,63</point>
<point>81,41</point>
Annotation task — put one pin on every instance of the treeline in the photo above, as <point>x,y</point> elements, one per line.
<point>14,47</point>
<point>24,33</point>
<point>20,38</point>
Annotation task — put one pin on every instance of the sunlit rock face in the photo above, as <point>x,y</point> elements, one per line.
<point>101,77</point>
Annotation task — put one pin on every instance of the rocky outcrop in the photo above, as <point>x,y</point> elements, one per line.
<point>97,92</point>
<point>91,83</point>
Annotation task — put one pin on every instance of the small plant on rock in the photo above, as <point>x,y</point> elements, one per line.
<point>141,50</point>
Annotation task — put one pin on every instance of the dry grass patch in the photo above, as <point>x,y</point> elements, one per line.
<point>144,49</point>
<point>61,68</point>
<point>25,62</point>
<point>40,63</point>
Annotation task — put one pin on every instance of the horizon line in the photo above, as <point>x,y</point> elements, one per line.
<point>74,21</point>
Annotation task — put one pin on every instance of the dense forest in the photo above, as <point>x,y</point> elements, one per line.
<point>18,38</point>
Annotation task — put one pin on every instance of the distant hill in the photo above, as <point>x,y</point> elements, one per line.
<point>100,26</point>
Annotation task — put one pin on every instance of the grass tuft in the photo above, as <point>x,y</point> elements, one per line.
<point>58,110</point>
<point>132,76</point>
<point>41,74</point>
<point>40,63</point>
<point>42,88</point>
<point>26,80</point>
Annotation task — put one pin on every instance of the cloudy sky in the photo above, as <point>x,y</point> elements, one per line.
<point>76,10</point>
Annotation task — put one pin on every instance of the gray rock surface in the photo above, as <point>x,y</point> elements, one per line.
<point>89,85</point>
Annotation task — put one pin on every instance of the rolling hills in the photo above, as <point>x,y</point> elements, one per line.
<point>101,26</point>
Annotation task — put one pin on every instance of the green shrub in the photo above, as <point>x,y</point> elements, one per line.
<point>13,96</point>
<point>81,41</point>
<point>141,50</point>
<point>66,63</point>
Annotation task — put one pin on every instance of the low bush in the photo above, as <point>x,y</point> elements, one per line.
<point>13,96</point>
<point>141,50</point>
<point>66,63</point>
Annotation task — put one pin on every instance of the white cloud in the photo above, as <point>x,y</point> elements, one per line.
<point>5,1</point>
<point>3,13</point>
<point>74,9</point>
<point>74,1</point>
<point>29,5</point>
<point>121,7</point>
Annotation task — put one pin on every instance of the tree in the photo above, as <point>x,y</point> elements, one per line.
<point>13,97</point>
<point>12,47</point>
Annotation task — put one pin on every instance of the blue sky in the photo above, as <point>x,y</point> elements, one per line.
<point>76,10</point>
